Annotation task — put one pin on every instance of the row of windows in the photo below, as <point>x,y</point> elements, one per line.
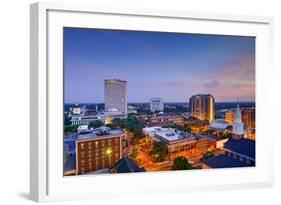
<point>116,155</point>
<point>82,145</point>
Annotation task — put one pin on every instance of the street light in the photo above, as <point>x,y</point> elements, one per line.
<point>108,151</point>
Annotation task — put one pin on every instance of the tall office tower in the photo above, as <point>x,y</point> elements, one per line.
<point>237,126</point>
<point>202,106</point>
<point>156,104</point>
<point>115,96</point>
<point>249,117</point>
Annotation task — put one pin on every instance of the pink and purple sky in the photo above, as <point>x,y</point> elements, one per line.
<point>169,65</point>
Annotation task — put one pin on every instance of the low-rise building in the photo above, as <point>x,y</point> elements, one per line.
<point>80,115</point>
<point>219,125</point>
<point>98,149</point>
<point>181,143</point>
<point>237,153</point>
<point>164,119</point>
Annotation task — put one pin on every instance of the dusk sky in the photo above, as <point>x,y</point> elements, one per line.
<point>169,65</point>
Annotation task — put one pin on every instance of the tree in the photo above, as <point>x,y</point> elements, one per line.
<point>181,163</point>
<point>95,124</point>
<point>159,151</point>
<point>225,134</point>
<point>134,153</point>
<point>70,129</point>
<point>208,154</point>
<point>66,119</point>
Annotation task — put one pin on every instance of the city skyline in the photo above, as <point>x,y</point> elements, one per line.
<point>172,66</point>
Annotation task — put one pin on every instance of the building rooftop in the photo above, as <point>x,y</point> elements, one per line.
<point>171,134</point>
<point>70,163</point>
<point>100,132</point>
<point>224,161</point>
<point>219,124</point>
<point>243,146</point>
<point>127,165</point>
<point>115,81</point>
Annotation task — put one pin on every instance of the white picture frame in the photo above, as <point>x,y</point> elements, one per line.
<point>46,179</point>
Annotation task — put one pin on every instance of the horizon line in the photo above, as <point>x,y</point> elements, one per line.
<point>163,102</point>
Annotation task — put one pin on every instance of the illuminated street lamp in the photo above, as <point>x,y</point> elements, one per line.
<point>108,151</point>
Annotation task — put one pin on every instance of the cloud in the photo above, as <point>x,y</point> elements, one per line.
<point>212,84</point>
<point>173,83</point>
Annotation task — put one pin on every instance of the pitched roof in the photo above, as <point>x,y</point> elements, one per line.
<point>127,165</point>
<point>243,146</point>
<point>224,161</point>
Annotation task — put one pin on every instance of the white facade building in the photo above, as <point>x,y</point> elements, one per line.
<point>156,104</point>
<point>115,96</point>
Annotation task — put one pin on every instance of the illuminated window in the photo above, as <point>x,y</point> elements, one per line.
<point>82,145</point>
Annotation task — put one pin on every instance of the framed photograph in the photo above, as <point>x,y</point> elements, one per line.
<point>132,102</point>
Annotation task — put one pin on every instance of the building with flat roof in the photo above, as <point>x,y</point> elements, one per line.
<point>156,104</point>
<point>181,143</point>
<point>115,96</point>
<point>81,115</point>
<point>164,119</point>
<point>98,149</point>
<point>202,106</point>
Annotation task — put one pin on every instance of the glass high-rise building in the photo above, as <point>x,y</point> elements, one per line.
<point>115,96</point>
<point>202,106</point>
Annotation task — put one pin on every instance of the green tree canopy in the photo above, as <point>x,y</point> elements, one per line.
<point>159,151</point>
<point>181,163</point>
<point>95,124</point>
<point>208,154</point>
<point>66,119</point>
<point>70,129</point>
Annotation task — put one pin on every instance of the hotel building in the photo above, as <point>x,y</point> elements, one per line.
<point>202,106</point>
<point>98,149</point>
<point>156,104</point>
<point>115,96</point>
